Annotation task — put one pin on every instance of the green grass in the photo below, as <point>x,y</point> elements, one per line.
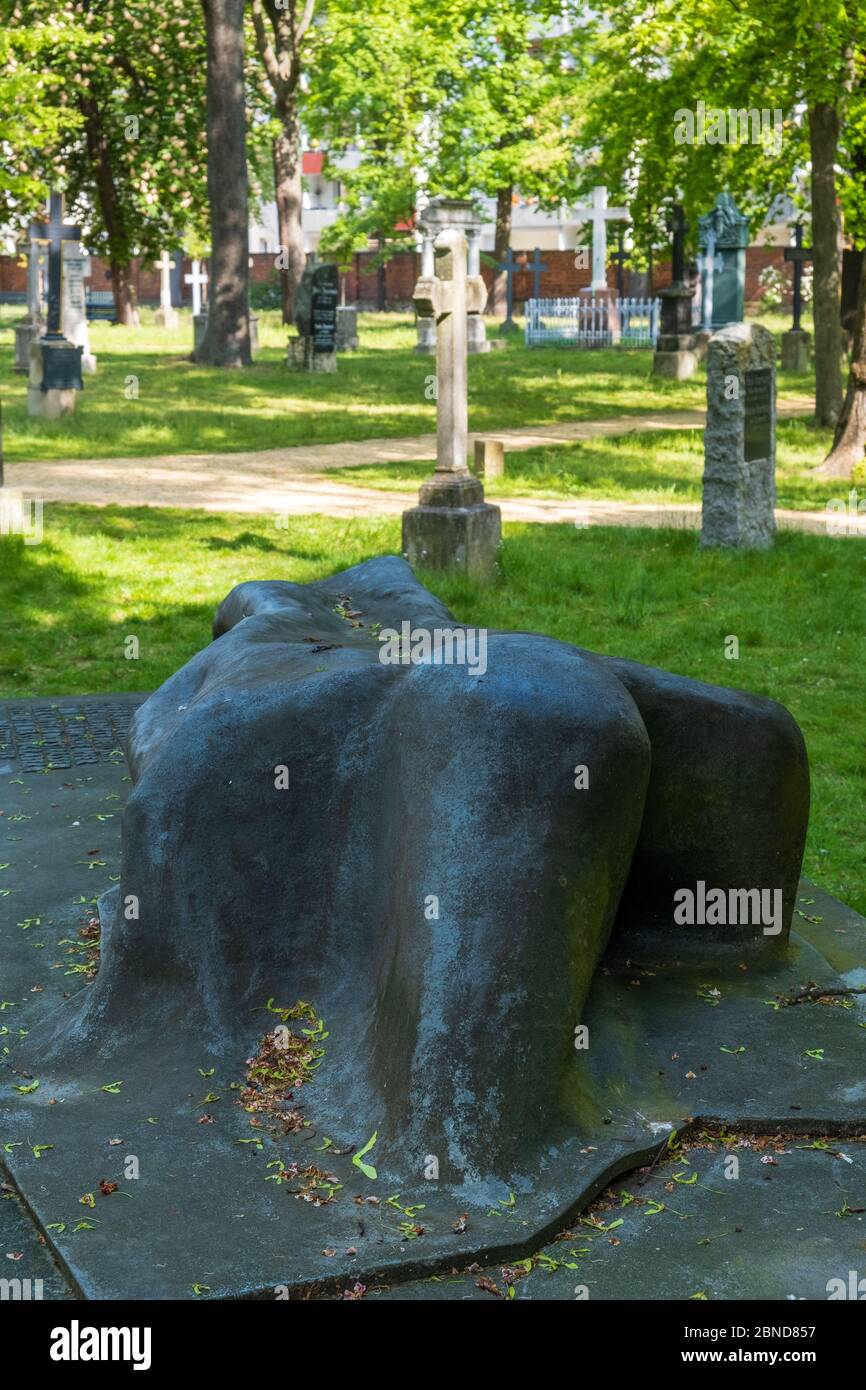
<point>664,466</point>
<point>101,575</point>
<point>380,391</point>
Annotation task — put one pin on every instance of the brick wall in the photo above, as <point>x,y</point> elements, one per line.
<point>561,278</point>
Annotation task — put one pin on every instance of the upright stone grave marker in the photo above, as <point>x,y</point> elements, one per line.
<point>315,348</point>
<point>29,330</point>
<point>739,486</point>
<point>452,525</point>
<point>55,363</point>
<point>439,215</point>
<point>76,268</point>
<point>166,315</point>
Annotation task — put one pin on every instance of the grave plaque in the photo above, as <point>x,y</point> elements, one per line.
<point>323,308</point>
<point>757,428</point>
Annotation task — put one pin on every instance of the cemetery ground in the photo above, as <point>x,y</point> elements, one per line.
<point>103,574</point>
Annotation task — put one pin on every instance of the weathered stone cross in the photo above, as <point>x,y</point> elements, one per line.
<point>164,265</point>
<point>447,296</point>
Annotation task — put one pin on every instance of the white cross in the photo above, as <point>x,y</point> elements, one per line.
<point>600,214</point>
<point>447,296</point>
<point>164,265</point>
<point>198,280</point>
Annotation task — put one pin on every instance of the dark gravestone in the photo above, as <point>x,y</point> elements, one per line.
<point>796,342</point>
<point>677,348</point>
<point>316,305</point>
<point>723,235</point>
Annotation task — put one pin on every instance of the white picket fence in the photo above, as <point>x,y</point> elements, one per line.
<point>587,322</point>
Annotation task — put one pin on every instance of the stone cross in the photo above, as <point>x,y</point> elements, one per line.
<point>599,214</point>
<point>55,231</point>
<point>538,268</point>
<point>447,296</point>
<point>510,266</point>
<point>798,253</point>
<point>198,280</point>
<point>166,314</point>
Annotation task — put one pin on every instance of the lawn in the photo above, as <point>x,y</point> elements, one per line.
<point>148,398</point>
<point>645,466</point>
<point>101,575</point>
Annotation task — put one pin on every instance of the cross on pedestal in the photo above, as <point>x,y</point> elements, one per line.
<point>164,265</point>
<point>54,232</point>
<point>447,296</point>
<point>798,253</point>
<point>510,266</point>
<point>599,214</point>
<point>452,526</point>
<point>198,280</point>
<point>538,268</point>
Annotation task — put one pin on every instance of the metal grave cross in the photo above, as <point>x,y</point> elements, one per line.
<point>447,296</point>
<point>798,253</point>
<point>538,268</point>
<point>599,214</point>
<point>510,266</point>
<point>55,231</point>
<point>619,258</point>
<point>198,280</point>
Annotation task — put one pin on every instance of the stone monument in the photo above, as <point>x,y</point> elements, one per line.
<point>599,214</point>
<point>346,338</point>
<point>29,330</point>
<point>442,214</point>
<point>739,486</point>
<point>453,525</point>
<point>677,349</point>
<point>796,342</point>
<point>723,235</point>
<point>166,315</point>
<point>55,363</point>
<point>315,347</point>
<point>76,269</point>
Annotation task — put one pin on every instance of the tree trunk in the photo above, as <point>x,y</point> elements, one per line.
<point>111,211</point>
<point>289,198</point>
<point>226,342</point>
<point>849,444</point>
<point>501,243</point>
<point>125,308</point>
<point>826,260</point>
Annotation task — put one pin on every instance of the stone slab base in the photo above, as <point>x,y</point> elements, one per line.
<point>678,365</point>
<point>50,405</point>
<point>445,537</point>
<point>796,351</point>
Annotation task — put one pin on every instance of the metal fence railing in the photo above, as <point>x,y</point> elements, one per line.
<point>591,321</point>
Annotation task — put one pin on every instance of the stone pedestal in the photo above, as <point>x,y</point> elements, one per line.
<point>476,334</point>
<point>303,358</point>
<point>347,328</point>
<point>166,316</point>
<point>676,355</point>
<point>453,527</point>
<point>58,363</point>
<point>739,485</point>
<point>796,351</point>
<point>26,334</point>
<point>489,458</point>
<point>426,336</point>
<point>199,328</point>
